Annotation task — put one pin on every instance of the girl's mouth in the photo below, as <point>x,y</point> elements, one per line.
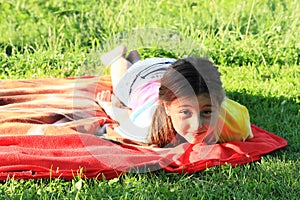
<point>200,132</point>
<point>195,137</point>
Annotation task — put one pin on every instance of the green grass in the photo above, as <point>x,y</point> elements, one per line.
<point>254,43</point>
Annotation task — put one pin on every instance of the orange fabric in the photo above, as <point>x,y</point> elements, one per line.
<point>31,107</point>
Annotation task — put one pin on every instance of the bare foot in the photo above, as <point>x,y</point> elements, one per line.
<point>112,56</point>
<point>133,56</point>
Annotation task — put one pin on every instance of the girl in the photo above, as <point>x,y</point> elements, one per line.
<point>163,102</point>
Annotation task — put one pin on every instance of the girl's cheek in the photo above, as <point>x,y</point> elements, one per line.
<point>181,126</point>
<point>176,121</point>
<point>190,125</point>
<point>206,122</point>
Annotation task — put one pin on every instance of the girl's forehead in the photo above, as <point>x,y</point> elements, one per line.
<point>203,99</point>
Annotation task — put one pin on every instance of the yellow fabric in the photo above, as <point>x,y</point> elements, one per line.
<point>233,122</point>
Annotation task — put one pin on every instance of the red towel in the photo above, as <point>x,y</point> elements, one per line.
<point>32,147</point>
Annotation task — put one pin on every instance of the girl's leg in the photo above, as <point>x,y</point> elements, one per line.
<point>118,67</point>
<point>118,63</point>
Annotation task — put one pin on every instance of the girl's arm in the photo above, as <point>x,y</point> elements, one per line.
<point>110,104</point>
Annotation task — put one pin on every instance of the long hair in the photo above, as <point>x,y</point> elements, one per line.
<point>188,77</point>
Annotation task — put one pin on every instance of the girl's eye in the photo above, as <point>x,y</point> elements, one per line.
<point>186,112</point>
<point>206,113</point>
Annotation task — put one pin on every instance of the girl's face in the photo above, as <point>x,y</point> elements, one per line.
<point>192,117</point>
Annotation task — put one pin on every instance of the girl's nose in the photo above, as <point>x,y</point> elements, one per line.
<point>197,123</point>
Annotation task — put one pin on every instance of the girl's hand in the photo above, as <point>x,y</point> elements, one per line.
<point>104,99</point>
<point>104,96</point>
<point>110,104</point>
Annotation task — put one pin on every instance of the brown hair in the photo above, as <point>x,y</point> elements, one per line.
<point>185,78</point>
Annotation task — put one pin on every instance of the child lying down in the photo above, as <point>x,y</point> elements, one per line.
<point>165,102</point>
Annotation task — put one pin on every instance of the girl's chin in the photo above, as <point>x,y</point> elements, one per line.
<point>194,138</point>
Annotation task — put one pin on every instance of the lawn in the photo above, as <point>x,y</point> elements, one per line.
<point>256,45</point>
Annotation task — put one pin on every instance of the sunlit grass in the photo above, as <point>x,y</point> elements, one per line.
<point>254,43</point>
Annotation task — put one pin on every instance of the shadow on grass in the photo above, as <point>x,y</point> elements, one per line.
<point>277,115</point>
